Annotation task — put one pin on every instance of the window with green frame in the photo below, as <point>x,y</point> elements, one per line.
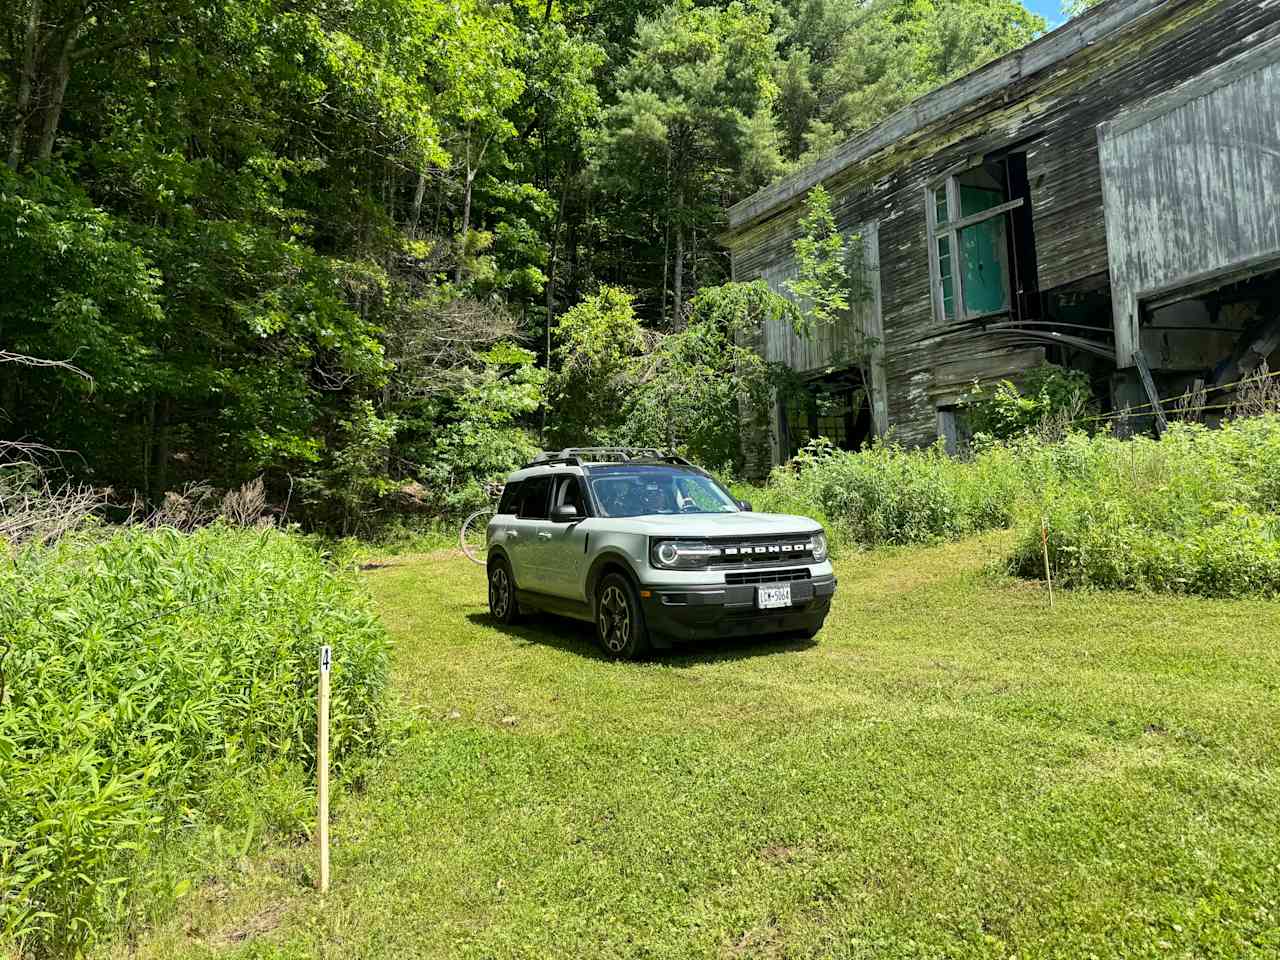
<point>968,215</point>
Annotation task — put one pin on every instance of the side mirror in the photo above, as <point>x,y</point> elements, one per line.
<point>744,506</point>
<point>565,514</point>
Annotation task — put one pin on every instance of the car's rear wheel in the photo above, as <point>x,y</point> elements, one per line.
<point>620,627</point>
<point>502,593</point>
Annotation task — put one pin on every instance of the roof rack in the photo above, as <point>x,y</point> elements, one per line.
<point>577,456</point>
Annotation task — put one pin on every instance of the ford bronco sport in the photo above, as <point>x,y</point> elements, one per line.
<point>650,549</point>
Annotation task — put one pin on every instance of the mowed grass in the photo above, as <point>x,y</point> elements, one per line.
<point>951,770</point>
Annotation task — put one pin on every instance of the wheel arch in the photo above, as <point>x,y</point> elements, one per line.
<point>499,553</point>
<point>611,561</point>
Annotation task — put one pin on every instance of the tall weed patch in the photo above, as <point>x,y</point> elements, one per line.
<point>144,673</point>
<point>890,495</point>
<point>1195,512</point>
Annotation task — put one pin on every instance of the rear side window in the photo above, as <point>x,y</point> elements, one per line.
<point>534,496</point>
<point>510,498</point>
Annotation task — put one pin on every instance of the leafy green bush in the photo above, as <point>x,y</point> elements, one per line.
<point>143,674</point>
<point>685,390</point>
<point>1049,396</point>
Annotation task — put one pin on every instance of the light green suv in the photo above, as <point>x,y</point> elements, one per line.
<point>651,549</point>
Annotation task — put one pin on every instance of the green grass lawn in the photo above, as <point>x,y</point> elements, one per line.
<point>950,770</point>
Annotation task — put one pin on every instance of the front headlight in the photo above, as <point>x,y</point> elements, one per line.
<point>819,547</point>
<point>681,554</point>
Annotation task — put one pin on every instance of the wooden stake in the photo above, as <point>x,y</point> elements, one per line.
<point>1044,541</point>
<point>322,765</point>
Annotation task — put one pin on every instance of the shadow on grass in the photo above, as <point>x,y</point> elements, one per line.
<point>578,637</point>
<point>543,629</point>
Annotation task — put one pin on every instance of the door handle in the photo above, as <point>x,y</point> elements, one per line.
<point>545,535</point>
<point>512,534</point>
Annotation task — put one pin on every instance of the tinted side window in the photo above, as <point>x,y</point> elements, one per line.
<point>510,497</point>
<point>534,494</point>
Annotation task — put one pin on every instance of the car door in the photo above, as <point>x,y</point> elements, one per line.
<point>561,547</point>
<point>520,534</point>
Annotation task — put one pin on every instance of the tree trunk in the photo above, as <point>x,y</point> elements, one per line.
<point>466,227</point>
<point>693,265</point>
<point>677,318</point>
<point>26,81</point>
<point>554,259</point>
<point>666,252</point>
<point>552,262</point>
<point>148,443</point>
<point>58,93</point>
<point>161,447</point>
<point>418,194</point>
<point>666,271</point>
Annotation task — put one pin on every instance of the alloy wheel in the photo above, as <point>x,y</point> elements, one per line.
<point>615,619</point>
<point>499,592</point>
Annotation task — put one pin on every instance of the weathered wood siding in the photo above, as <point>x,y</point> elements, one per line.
<point>1192,185</point>
<point>1049,109</point>
<point>833,346</point>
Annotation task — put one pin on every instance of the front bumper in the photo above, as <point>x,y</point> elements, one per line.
<point>729,610</point>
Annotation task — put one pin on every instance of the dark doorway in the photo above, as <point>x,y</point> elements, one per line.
<point>836,409</point>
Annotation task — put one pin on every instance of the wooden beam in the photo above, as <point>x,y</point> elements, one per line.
<point>1144,373</point>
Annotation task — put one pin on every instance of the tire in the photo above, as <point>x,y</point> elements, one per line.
<point>620,627</point>
<point>503,605</point>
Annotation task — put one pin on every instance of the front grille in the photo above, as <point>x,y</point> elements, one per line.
<point>748,551</point>
<point>766,576</point>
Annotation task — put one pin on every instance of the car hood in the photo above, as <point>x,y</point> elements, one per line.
<point>695,525</point>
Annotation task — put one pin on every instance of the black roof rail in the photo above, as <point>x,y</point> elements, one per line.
<point>551,460</point>
<point>579,456</point>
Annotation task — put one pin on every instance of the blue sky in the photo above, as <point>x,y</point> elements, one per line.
<point>1051,10</point>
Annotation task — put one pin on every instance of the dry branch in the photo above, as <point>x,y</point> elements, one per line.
<point>25,361</point>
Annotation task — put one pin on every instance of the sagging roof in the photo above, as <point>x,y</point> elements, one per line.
<point>1049,51</point>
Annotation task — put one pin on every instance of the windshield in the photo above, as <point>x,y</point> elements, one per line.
<point>636,491</point>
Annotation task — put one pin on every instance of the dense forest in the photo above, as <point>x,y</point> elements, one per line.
<point>379,250</point>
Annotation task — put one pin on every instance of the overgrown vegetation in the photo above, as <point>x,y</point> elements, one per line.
<point>888,495</point>
<point>1197,511</point>
<point>1193,512</point>
<point>154,681</point>
<point>332,242</point>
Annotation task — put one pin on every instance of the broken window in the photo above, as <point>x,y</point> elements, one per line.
<point>974,241</point>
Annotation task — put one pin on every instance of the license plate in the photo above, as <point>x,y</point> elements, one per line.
<point>769,598</point>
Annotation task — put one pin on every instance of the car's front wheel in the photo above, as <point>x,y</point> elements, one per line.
<point>502,593</point>
<point>620,627</point>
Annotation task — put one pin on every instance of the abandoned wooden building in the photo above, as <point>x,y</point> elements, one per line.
<point>1107,199</point>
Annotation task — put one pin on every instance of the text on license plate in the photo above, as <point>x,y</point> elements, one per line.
<point>767,598</point>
